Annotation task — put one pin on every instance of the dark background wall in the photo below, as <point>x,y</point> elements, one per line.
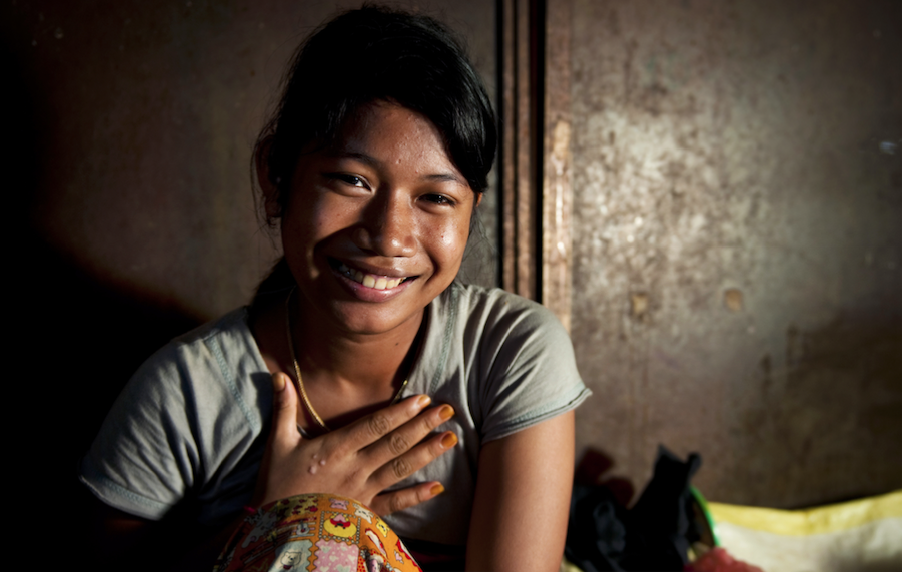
<point>737,228</point>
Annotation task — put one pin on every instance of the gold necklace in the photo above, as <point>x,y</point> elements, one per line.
<point>297,370</point>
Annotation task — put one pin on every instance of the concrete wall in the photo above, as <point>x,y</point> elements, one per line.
<point>738,242</point>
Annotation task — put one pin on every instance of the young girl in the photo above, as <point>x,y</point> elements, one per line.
<point>362,369</point>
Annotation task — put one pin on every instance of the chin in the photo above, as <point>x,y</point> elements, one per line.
<point>372,321</point>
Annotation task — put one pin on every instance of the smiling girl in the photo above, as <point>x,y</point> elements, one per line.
<point>444,408</point>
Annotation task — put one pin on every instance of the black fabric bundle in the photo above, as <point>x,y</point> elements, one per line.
<point>653,535</point>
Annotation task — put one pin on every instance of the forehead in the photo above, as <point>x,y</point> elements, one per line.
<point>388,132</point>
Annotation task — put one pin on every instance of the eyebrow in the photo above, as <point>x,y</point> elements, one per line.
<point>447,177</point>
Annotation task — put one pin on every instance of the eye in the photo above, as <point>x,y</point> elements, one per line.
<point>438,199</point>
<point>352,180</point>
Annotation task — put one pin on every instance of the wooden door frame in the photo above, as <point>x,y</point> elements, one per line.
<point>535,157</point>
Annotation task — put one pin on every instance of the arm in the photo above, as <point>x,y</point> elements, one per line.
<point>522,500</point>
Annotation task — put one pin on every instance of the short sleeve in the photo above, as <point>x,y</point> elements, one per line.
<point>145,459</point>
<point>188,424</point>
<point>526,367</point>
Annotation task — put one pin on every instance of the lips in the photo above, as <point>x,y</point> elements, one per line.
<point>367,280</point>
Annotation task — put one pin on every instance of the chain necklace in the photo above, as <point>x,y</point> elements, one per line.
<point>297,370</point>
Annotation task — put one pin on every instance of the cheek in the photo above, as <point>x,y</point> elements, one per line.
<point>311,221</point>
<point>452,241</point>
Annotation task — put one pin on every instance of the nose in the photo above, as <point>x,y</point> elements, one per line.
<point>388,226</point>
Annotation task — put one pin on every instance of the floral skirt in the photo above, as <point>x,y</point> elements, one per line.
<point>315,532</point>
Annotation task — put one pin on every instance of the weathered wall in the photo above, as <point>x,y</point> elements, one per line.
<point>737,241</point>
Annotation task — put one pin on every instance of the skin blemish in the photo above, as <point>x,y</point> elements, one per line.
<point>322,462</point>
<point>312,469</point>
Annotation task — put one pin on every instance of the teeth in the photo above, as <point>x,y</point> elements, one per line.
<point>368,280</point>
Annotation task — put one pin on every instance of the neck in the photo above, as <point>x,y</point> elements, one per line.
<point>367,362</point>
<point>345,375</point>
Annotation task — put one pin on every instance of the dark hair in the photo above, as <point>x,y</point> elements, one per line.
<point>377,53</point>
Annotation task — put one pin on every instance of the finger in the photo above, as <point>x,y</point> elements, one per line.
<point>403,466</point>
<point>407,436</point>
<point>284,412</point>
<point>375,426</point>
<point>387,503</point>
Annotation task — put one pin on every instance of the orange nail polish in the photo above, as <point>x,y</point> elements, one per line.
<point>446,412</point>
<point>423,400</point>
<point>436,490</point>
<point>449,440</point>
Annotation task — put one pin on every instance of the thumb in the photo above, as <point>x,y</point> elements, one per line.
<point>282,436</point>
<point>284,410</point>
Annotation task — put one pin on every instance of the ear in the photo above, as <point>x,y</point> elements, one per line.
<point>474,217</point>
<point>270,189</point>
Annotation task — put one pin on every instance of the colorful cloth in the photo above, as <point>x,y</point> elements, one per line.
<point>315,532</point>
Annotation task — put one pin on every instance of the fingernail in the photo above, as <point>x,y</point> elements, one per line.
<point>449,440</point>
<point>423,400</point>
<point>436,490</point>
<point>446,412</point>
<point>278,382</point>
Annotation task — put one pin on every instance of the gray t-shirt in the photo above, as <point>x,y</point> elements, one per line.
<point>193,421</point>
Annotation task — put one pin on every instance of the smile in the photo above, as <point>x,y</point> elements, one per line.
<point>369,280</point>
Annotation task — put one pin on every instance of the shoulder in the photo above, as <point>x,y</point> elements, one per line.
<point>497,308</point>
<point>518,360</point>
<point>224,340</point>
<point>214,364</point>
<point>197,353</point>
<point>490,317</point>
<point>231,331</point>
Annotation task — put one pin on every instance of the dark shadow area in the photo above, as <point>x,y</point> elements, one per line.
<point>77,341</point>
<point>592,470</point>
<point>654,534</point>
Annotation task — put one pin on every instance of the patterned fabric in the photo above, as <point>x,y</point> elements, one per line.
<point>315,532</point>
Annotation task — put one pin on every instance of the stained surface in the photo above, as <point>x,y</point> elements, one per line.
<point>738,242</point>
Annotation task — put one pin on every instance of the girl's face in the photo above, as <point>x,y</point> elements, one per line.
<point>376,224</point>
